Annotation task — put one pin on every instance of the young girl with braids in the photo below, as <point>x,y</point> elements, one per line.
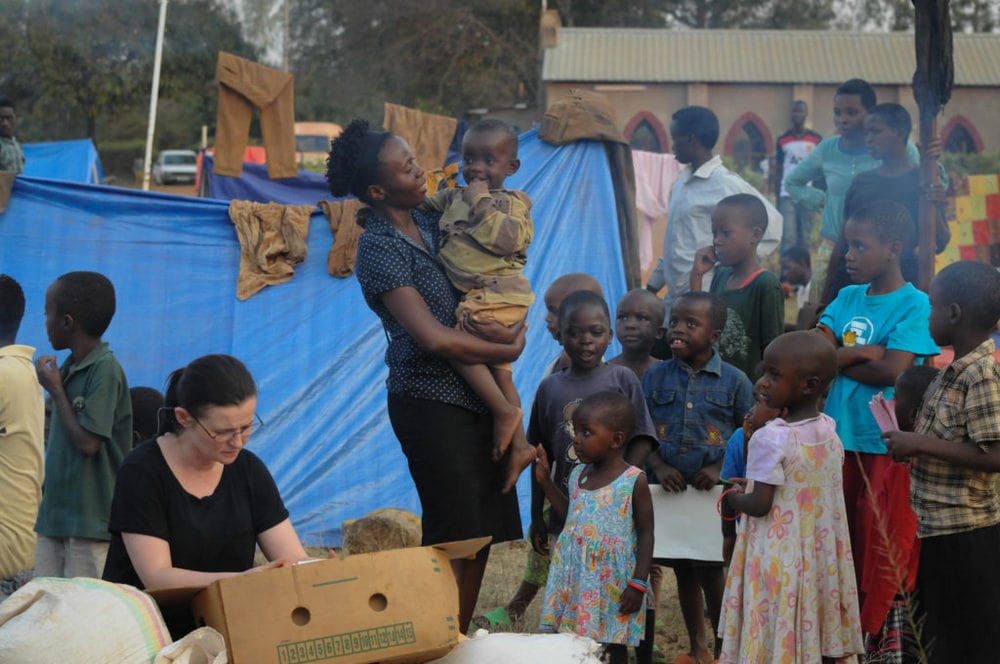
<point>791,595</point>
<point>444,428</point>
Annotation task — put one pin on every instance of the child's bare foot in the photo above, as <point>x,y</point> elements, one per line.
<point>519,456</point>
<point>506,425</point>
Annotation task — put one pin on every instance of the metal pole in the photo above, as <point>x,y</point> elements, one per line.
<point>284,38</point>
<point>154,95</point>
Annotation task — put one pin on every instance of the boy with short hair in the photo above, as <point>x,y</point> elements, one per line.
<point>955,461</point>
<point>486,230</point>
<point>796,281</point>
<point>696,401</point>
<point>11,154</point>
<point>638,322</point>
<point>755,305</point>
<point>790,149</point>
<point>21,444</point>
<point>91,428</point>
<point>146,405</point>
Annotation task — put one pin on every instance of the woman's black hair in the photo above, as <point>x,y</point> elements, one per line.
<point>210,380</point>
<point>862,89</point>
<point>352,163</point>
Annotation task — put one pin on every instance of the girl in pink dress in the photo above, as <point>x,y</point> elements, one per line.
<point>790,595</point>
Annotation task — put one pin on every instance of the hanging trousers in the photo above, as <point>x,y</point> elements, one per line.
<point>244,85</point>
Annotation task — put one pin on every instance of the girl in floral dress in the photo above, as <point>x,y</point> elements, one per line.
<point>791,596</point>
<point>599,572</point>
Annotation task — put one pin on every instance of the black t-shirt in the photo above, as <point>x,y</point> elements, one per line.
<point>217,533</point>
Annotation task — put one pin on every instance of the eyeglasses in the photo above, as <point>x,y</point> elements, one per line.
<point>229,436</point>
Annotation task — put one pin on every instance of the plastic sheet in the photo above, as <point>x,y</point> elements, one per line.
<point>313,345</point>
<point>72,161</point>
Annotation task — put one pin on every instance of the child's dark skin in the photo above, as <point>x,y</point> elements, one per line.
<point>585,333</point>
<point>783,386</point>
<point>948,328</point>
<point>637,325</point>
<point>790,385</point>
<point>65,332</point>
<point>600,447</point>
<point>488,157</point>
<point>691,337</point>
<point>870,260</point>
<point>759,415</point>
<point>734,244</point>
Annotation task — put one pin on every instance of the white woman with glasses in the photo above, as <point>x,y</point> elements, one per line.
<point>191,505</point>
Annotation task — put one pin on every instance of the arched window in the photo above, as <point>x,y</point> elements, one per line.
<point>749,142</point>
<point>645,132</point>
<point>959,135</point>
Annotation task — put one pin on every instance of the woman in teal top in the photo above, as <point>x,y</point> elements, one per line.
<point>836,160</point>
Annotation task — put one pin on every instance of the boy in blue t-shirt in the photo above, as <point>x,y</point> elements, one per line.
<point>696,401</point>
<point>879,328</point>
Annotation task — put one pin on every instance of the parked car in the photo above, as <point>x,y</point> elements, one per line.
<point>175,166</point>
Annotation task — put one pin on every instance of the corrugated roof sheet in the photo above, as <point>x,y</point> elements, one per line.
<point>620,55</point>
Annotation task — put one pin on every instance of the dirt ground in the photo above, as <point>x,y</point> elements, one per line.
<point>506,568</point>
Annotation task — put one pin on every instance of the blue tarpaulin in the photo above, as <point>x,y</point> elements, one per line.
<point>313,345</point>
<point>72,161</point>
<point>254,185</point>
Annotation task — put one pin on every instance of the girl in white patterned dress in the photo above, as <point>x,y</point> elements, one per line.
<point>790,595</point>
<point>599,572</point>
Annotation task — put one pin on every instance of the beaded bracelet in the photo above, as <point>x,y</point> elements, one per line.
<point>639,585</point>
<point>718,505</point>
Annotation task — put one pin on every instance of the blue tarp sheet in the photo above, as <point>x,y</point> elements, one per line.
<point>313,345</point>
<point>72,161</point>
<point>254,185</point>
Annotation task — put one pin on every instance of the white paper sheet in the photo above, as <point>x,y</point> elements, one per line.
<point>687,524</point>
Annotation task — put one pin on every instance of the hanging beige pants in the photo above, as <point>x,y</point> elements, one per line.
<point>244,85</point>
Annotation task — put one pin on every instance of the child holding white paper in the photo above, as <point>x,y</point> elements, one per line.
<point>696,401</point>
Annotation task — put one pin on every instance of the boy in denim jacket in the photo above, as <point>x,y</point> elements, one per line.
<point>696,401</point>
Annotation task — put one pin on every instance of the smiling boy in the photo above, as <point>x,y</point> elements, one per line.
<point>696,401</point>
<point>486,230</point>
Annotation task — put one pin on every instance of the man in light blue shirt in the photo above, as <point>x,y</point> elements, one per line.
<point>694,131</point>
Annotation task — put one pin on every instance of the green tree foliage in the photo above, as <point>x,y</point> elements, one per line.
<point>84,67</point>
<point>440,56</point>
<point>767,14</point>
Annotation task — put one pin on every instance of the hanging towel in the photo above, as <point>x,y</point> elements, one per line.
<point>244,85</point>
<point>654,176</point>
<point>272,241</point>
<point>342,216</point>
<point>429,135</point>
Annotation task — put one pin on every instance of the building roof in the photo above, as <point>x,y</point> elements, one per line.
<point>629,55</point>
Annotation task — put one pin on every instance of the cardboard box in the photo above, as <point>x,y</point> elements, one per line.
<point>392,606</point>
